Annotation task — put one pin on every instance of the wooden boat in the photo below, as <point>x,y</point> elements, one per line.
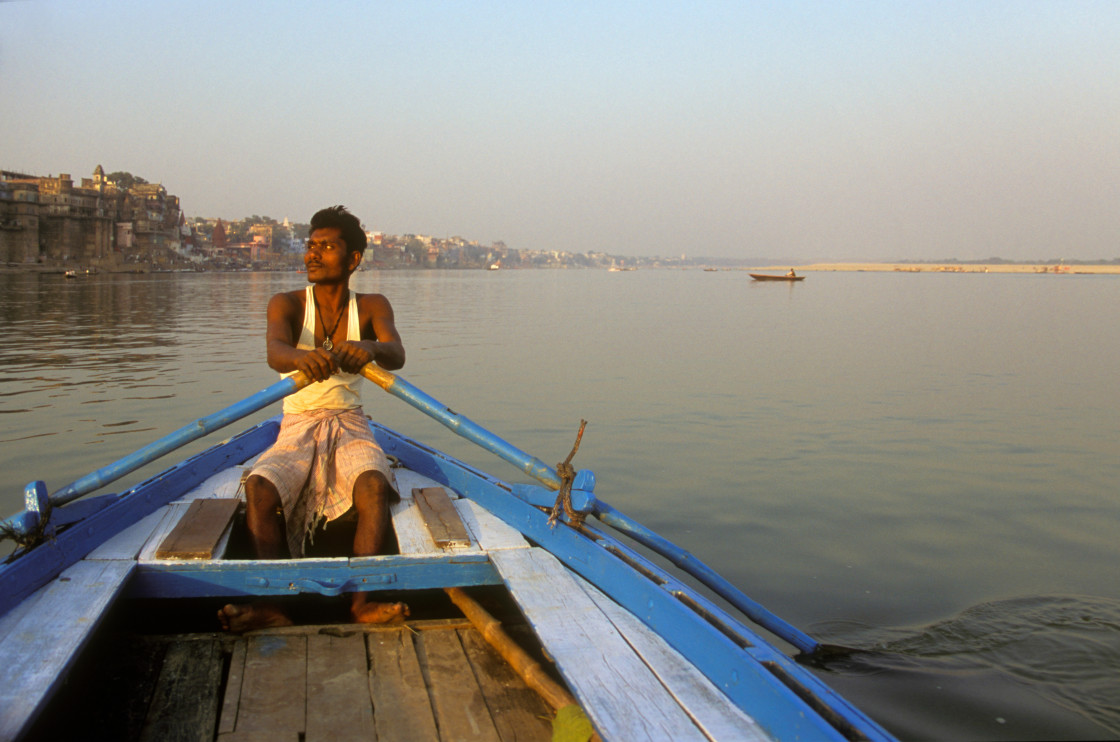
<point>643,655</point>
<point>771,277</point>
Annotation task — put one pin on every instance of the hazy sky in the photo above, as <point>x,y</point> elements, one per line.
<point>874,130</point>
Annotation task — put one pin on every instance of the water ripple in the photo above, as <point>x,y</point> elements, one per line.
<point>1066,648</point>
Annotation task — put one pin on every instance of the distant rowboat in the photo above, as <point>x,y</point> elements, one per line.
<point>768,277</point>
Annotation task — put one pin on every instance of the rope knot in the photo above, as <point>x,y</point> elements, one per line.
<point>567,474</point>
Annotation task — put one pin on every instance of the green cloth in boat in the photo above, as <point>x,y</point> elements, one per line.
<point>571,725</point>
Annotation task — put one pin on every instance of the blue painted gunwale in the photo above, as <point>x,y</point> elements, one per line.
<point>114,513</point>
<point>785,698</point>
<point>758,678</point>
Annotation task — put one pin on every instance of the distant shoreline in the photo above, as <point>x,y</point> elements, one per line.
<point>1022,268</point>
<point>1060,269</point>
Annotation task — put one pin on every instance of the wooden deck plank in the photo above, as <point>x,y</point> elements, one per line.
<point>402,710</point>
<point>412,536</point>
<point>408,480</point>
<point>274,686</point>
<point>461,711</point>
<point>174,514</point>
<point>224,484</point>
<point>621,696</point>
<point>488,531</point>
<point>184,705</point>
<point>40,647</point>
<point>338,700</point>
<point>518,713</point>
<point>227,722</point>
<point>127,543</point>
<point>199,532</point>
<point>701,699</point>
<point>259,736</point>
<point>12,618</point>
<point>441,518</point>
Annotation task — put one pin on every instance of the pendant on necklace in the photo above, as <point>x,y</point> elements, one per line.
<point>327,344</point>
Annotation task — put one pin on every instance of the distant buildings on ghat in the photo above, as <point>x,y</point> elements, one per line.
<point>52,221</point>
<point>49,223</point>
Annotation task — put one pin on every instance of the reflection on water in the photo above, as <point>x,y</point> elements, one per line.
<point>883,449</point>
<point>106,358</point>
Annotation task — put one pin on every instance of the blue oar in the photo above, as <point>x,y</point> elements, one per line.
<point>22,522</point>
<point>464,427</point>
<point>181,437</point>
<point>540,471</point>
<point>468,429</point>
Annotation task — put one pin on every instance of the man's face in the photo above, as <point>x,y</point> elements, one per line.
<point>326,256</point>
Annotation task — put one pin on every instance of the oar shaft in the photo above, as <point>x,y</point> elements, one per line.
<point>468,429</point>
<point>193,431</point>
<point>540,471</point>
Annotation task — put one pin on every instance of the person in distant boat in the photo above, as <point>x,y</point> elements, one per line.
<point>325,464</point>
<point>791,274</point>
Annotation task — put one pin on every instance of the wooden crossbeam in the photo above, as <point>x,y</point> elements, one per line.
<point>199,532</point>
<point>441,518</point>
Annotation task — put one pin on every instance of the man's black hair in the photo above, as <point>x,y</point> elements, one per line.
<point>345,222</point>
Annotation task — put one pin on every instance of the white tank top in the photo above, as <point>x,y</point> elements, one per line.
<point>342,391</point>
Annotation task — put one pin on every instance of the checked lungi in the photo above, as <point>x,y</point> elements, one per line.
<point>317,458</point>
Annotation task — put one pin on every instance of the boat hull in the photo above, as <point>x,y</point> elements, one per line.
<point>513,544</point>
<point>768,277</point>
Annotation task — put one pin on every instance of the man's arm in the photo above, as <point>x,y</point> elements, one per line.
<point>285,318</point>
<point>380,340</point>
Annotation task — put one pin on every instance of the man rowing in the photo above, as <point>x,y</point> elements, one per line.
<point>325,464</point>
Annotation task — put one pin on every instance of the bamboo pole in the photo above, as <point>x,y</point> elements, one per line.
<point>529,670</point>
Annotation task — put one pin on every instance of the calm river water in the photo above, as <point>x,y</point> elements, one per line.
<point>925,465</point>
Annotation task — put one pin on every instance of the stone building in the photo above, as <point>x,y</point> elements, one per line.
<point>74,224</point>
<point>51,221</point>
<point>155,218</point>
<point>19,219</point>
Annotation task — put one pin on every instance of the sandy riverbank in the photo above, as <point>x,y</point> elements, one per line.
<point>951,268</point>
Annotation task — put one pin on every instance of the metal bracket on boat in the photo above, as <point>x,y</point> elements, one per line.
<point>31,526</point>
<point>583,498</point>
<point>41,519</point>
<point>37,505</point>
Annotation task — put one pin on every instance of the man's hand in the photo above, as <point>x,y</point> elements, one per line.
<point>318,364</point>
<point>352,356</point>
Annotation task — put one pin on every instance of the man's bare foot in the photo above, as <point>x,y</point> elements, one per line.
<point>260,615</point>
<point>363,612</point>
